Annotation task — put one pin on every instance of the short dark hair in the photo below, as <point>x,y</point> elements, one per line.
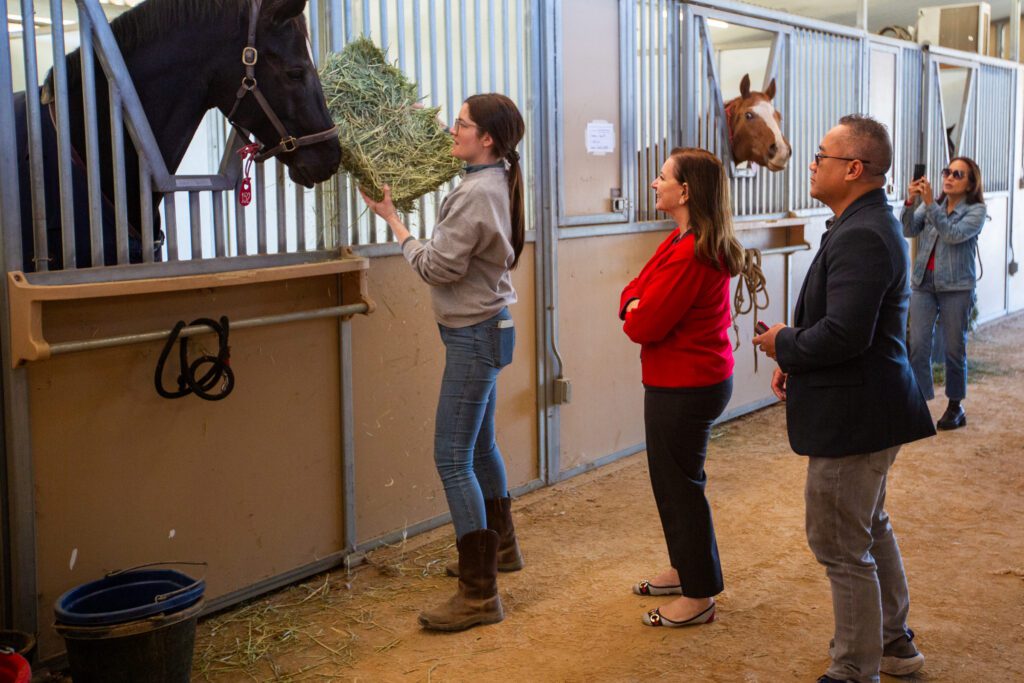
<point>871,142</point>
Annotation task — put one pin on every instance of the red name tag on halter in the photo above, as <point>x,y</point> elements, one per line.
<point>245,193</point>
<point>248,155</point>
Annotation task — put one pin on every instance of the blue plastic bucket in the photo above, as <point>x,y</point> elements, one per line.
<point>126,596</point>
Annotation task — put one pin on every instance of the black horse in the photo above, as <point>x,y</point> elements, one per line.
<point>184,57</point>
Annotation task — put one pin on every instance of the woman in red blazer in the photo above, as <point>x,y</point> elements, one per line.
<point>677,309</point>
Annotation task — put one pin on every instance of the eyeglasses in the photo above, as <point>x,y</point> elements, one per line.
<point>459,123</point>
<point>957,175</point>
<point>819,157</point>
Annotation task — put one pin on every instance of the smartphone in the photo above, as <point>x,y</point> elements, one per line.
<point>760,327</point>
<point>918,171</point>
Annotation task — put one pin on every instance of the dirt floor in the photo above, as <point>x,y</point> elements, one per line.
<point>957,504</point>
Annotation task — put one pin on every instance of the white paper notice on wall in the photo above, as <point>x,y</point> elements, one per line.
<point>600,137</point>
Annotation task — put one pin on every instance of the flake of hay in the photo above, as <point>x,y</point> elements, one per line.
<point>385,139</point>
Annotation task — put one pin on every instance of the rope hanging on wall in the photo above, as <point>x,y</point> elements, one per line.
<point>751,293</point>
<point>189,381</point>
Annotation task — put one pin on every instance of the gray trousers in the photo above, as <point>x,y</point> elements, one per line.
<point>849,533</point>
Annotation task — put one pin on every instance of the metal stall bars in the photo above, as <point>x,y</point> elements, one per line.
<point>212,232</point>
<point>452,49</point>
<point>754,195</point>
<point>652,39</point>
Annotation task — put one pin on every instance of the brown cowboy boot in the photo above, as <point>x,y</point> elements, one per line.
<point>499,518</point>
<point>476,601</point>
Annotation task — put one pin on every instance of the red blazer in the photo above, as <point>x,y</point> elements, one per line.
<point>682,322</point>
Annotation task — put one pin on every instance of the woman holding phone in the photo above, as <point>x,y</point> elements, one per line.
<point>468,262</point>
<point>678,310</point>
<point>944,276</point>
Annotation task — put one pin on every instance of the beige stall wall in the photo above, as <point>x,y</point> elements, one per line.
<point>606,412</point>
<point>398,359</point>
<point>250,484</point>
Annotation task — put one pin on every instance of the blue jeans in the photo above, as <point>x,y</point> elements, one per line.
<point>849,532</point>
<point>955,308</point>
<point>465,450</point>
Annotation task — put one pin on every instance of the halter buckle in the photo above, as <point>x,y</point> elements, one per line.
<point>289,144</point>
<point>249,56</point>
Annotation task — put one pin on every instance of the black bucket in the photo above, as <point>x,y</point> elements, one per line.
<point>132,625</point>
<point>157,649</point>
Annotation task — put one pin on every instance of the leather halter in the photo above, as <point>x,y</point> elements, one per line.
<point>288,143</point>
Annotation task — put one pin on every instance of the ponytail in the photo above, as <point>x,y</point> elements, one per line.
<point>499,117</point>
<point>517,204</point>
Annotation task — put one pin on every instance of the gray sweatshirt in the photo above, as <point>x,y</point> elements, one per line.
<point>467,259</point>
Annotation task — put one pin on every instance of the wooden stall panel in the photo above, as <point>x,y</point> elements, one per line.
<point>250,484</point>
<point>398,359</point>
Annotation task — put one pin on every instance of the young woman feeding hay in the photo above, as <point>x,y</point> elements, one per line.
<point>476,243</point>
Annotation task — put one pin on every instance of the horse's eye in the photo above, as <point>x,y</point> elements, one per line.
<point>749,115</point>
<point>297,74</point>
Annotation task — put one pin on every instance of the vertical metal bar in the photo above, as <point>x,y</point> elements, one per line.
<point>241,230</point>
<point>384,34</point>
<point>41,249</point>
<point>171,221</point>
<point>281,204</point>
<point>60,81</point>
<point>341,35</point>
<point>120,182</point>
<point>260,191</point>
<point>493,52</point>
<point>195,222</point>
<point>92,143</point>
<point>400,19</point>
<point>301,243</point>
<point>19,592</point>
<point>478,32</point>
<point>146,211</point>
<point>506,46</point>
<point>367,28</point>
<point>644,104</point>
<point>219,236</point>
<point>314,30</point>
<point>448,59</point>
<point>463,51</point>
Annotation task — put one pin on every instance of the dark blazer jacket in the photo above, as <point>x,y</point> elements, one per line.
<point>850,389</point>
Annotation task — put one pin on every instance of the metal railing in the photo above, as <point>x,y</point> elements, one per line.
<point>452,49</point>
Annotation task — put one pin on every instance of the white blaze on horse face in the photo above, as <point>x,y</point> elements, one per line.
<point>766,112</point>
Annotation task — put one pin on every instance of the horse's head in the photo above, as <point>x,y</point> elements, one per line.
<point>754,128</point>
<point>286,77</point>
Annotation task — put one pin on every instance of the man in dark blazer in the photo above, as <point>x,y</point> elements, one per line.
<point>852,400</point>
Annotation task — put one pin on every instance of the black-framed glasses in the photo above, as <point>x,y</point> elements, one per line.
<point>957,174</point>
<point>818,157</point>
<point>459,123</point>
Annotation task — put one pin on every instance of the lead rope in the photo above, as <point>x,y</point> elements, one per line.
<point>752,284</point>
<point>189,381</point>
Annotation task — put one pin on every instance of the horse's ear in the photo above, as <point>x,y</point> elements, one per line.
<point>770,92</point>
<point>283,10</point>
<point>744,86</point>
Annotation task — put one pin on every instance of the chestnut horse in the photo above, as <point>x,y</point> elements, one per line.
<point>755,132</point>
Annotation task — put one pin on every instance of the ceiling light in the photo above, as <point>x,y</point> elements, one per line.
<point>718,23</point>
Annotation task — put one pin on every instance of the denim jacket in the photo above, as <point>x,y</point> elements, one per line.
<point>954,238</point>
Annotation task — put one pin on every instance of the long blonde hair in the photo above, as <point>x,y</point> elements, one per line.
<point>710,216</point>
